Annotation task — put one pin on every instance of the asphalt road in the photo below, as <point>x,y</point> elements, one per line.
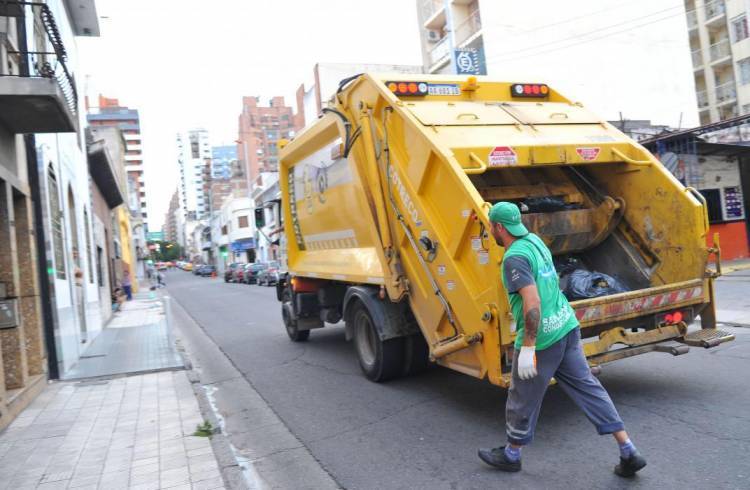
<point>689,415</point>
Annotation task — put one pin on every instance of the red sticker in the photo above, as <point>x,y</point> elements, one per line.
<point>502,155</point>
<point>588,154</point>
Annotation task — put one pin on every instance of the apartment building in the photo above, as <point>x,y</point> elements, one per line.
<point>171,218</point>
<point>260,129</point>
<point>109,112</point>
<point>622,60</point>
<point>720,50</point>
<point>194,160</point>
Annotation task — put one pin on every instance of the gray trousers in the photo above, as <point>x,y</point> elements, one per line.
<point>566,362</point>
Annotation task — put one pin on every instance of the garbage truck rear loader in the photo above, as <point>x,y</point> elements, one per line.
<point>385,203</point>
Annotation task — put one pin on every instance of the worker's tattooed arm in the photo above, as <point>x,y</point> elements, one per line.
<point>532,315</point>
<point>531,318</point>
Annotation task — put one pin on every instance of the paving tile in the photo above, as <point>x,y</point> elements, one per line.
<point>204,466</point>
<point>144,469</point>
<point>179,486</point>
<point>55,485</point>
<point>200,451</point>
<point>57,476</point>
<point>209,484</point>
<point>204,475</point>
<point>145,479</point>
<point>84,481</point>
<point>154,485</point>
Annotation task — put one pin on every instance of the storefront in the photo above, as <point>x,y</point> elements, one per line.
<point>243,250</point>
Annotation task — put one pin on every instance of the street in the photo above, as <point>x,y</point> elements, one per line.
<point>687,415</point>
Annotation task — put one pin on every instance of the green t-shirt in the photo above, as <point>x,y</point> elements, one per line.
<point>557,316</point>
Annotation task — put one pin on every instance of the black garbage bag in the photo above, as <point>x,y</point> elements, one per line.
<point>548,204</point>
<point>583,284</point>
<point>566,264</point>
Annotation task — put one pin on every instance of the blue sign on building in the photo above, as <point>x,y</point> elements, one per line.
<point>243,244</point>
<point>469,61</point>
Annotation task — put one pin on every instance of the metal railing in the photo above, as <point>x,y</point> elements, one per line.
<point>42,64</point>
<point>440,50</point>
<point>702,97</point>
<point>468,27</point>
<point>697,58</point>
<point>715,8</point>
<point>726,92</point>
<point>720,50</point>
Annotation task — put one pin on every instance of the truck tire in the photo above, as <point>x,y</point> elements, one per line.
<point>417,354</point>
<point>290,324</point>
<point>380,360</point>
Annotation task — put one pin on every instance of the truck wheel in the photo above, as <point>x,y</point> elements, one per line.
<point>380,360</point>
<point>417,354</point>
<point>294,333</point>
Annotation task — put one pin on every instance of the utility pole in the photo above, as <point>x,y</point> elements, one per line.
<point>451,34</point>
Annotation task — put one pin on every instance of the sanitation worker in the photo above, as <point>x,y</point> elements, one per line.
<point>548,344</point>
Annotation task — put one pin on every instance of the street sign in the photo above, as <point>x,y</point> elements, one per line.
<point>469,61</point>
<point>153,236</point>
<point>243,244</point>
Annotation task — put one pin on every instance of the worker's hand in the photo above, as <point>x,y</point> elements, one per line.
<point>527,362</point>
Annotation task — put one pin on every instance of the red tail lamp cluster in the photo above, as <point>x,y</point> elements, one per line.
<point>538,90</point>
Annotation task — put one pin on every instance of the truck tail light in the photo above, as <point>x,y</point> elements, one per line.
<point>534,90</point>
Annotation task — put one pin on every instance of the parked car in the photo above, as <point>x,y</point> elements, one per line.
<point>197,268</point>
<point>252,270</point>
<point>270,275</point>
<point>206,270</point>
<point>238,274</point>
<point>187,266</point>
<point>229,272</point>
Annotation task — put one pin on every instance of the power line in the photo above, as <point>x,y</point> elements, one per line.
<point>578,36</point>
<point>499,57</point>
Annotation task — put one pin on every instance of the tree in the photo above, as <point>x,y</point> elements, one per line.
<point>165,251</point>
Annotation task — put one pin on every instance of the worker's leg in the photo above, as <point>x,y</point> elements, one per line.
<point>525,395</point>
<point>575,378</point>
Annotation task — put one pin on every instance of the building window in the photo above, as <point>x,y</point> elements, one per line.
<point>56,219</point>
<point>744,69</point>
<point>87,230</point>
<point>99,271</point>
<point>739,28</point>
<point>242,222</point>
<point>224,230</point>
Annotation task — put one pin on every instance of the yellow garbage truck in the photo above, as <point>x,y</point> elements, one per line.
<point>385,207</point>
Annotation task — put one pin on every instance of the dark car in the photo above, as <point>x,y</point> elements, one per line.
<point>238,274</point>
<point>270,275</point>
<point>207,271</point>
<point>229,272</point>
<point>252,271</point>
<point>197,268</point>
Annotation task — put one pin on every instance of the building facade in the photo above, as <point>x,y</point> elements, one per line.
<point>171,218</point>
<point>109,112</point>
<point>48,295</point>
<point>581,55</point>
<point>194,161</point>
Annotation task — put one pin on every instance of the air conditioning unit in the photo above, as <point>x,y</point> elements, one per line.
<point>433,36</point>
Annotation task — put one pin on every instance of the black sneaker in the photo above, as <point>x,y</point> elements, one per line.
<point>496,457</point>
<point>628,467</point>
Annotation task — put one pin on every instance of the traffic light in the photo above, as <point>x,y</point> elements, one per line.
<point>260,218</point>
<point>224,254</point>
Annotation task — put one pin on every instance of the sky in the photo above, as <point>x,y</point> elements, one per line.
<point>185,63</point>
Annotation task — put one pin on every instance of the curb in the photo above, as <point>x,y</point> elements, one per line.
<point>734,268</point>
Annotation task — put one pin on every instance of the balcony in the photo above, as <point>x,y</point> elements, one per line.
<point>726,92</point>
<point>432,12</point>
<point>714,10</point>
<point>468,28</point>
<point>720,50</point>
<point>697,56</point>
<point>702,97</point>
<point>439,52</point>
<point>103,170</point>
<point>37,91</point>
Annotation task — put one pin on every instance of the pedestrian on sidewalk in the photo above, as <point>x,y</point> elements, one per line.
<point>160,279</point>
<point>127,285</point>
<point>555,349</point>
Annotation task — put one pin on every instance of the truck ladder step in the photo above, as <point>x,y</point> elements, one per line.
<point>707,337</point>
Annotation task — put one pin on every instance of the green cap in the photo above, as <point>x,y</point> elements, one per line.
<point>508,215</point>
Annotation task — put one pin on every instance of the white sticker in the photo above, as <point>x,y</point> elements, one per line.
<point>443,89</point>
<point>476,243</point>
<point>513,327</point>
<point>424,233</point>
<point>484,257</point>
<point>501,156</point>
<point>451,285</point>
<point>441,270</point>
<point>466,213</point>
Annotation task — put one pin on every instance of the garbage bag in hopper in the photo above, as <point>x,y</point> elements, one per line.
<point>583,284</point>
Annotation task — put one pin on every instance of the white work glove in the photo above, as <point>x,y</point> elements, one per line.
<point>527,362</point>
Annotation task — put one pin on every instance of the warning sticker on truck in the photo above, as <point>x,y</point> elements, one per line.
<point>502,155</point>
<point>589,153</point>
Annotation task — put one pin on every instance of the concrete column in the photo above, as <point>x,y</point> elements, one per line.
<point>29,306</point>
<point>12,342</point>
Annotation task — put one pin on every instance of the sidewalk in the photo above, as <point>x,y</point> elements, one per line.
<point>109,433</point>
